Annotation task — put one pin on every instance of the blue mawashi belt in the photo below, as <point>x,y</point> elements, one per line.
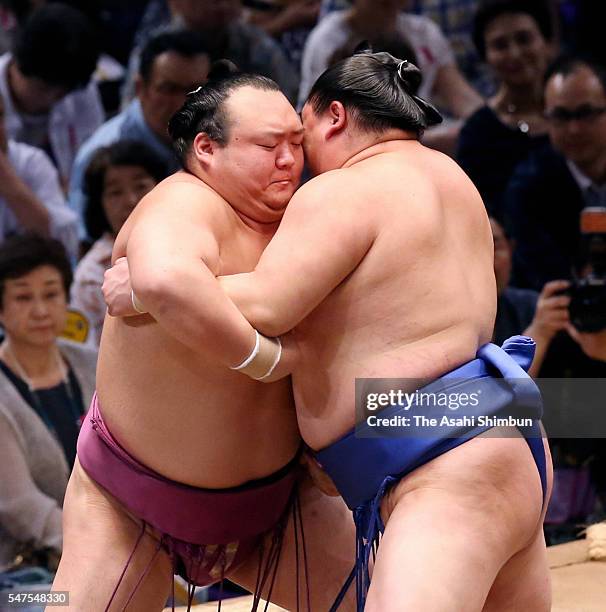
<point>368,460</point>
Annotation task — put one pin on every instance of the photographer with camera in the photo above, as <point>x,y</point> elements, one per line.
<point>580,466</point>
<point>525,311</point>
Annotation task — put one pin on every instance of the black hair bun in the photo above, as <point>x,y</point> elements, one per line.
<point>410,76</point>
<point>221,69</point>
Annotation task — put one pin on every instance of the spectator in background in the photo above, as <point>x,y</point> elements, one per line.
<point>548,191</point>
<point>45,384</point>
<point>288,21</point>
<point>114,22</point>
<point>49,101</point>
<point>394,45</point>
<point>545,317</point>
<point>513,37</point>
<point>31,198</point>
<point>116,179</point>
<point>172,64</point>
<point>226,35</point>
<point>524,311</point>
<point>454,18</point>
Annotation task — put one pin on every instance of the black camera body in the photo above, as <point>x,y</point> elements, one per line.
<point>588,294</point>
<point>588,303</point>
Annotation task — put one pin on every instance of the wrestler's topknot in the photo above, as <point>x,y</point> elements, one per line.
<point>222,69</point>
<point>379,90</point>
<point>204,108</point>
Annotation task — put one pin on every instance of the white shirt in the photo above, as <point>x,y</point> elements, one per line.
<point>35,169</point>
<point>70,122</point>
<point>333,32</point>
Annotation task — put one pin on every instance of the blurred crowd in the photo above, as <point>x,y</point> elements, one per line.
<point>86,92</point>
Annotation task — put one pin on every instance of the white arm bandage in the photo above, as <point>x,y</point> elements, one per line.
<point>263,359</point>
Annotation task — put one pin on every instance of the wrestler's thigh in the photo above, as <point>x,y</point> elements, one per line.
<point>524,582</point>
<point>433,557</point>
<point>98,538</point>
<point>330,550</point>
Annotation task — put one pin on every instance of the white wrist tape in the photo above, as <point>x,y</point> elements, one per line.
<point>263,359</point>
<point>136,303</point>
<point>276,360</point>
<point>252,355</point>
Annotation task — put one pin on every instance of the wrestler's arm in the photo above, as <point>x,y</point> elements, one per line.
<point>322,238</point>
<point>171,251</point>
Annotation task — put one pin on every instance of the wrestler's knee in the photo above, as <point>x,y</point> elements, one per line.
<point>524,582</point>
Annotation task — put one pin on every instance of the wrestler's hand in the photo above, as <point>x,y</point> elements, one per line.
<point>320,478</point>
<point>117,290</point>
<point>551,315</point>
<point>593,344</point>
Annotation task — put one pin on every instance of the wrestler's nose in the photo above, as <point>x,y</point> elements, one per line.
<point>285,158</point>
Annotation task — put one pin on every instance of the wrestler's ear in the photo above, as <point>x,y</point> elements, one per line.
<point>337,119</point>
<point>203,148</point>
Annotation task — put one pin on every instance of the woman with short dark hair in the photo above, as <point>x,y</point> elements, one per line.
<point>45,384</point>
<point>514,38</point>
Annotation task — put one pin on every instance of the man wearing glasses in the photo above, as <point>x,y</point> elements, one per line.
<point>548,191</point>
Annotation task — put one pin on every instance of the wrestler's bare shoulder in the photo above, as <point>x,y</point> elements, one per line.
<point>421,164</point>
<point>389,185</point>
<point>394,167</point>
<point>328,184</point>
<point>181,204</point>
<point>183,193</point>
<point>342,188</point>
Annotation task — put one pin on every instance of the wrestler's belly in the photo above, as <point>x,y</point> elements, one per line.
<point>325,389</point>
<point>191,421</point>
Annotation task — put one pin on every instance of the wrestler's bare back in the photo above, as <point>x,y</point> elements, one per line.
<point>421,301</point>
<point>176,409</point>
